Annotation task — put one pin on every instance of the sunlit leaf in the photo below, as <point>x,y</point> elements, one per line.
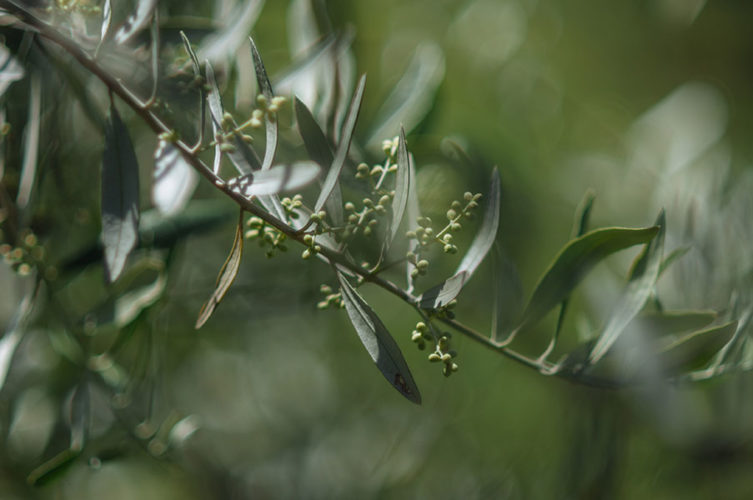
<point>638,291</point>
<point>378,342</point>
<point>174,179</point>
<point>442,294</point>
<point>226,277</point>
<point>341,155</point>
<point>120,196</point>
<point>130,305</point>
<point>318,150</point>
<point>278,179</point>
<point>487,233</point>
<point>106,20</point>
<point>695,350</point>
<point>402,187</point>
<point>413,95</point>
<point>14,333</point>
<point>10,69</point>
<point>270,123</point>
<point>136,22</point>
<point>574,261</point>
<point>31,143</point>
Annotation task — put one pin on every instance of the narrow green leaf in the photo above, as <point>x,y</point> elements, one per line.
<point>271,123</point>
<point>14,333</point>
<point>402,188</point>
<point>190,52</point>
<point>216,110</point>
<point>318,149</point>
<point>673,257</point>
<point>695,350</point>
<point>278,179</point>
<point>440,295</point>
<point>486,234</point>
<point>638,291</point>
<point>508,295</point>
<point>53,467</point>
<point>226,277</point>
<point>341,155</point>
<point>106,20</point>
<point>378,342</point>
<point>674,322</point>
<point>574,261</point>
<point>174,179</point>
<point>136,22</point>
<point>31,143</point>
<point>129,306</point>
<point>120,196</point>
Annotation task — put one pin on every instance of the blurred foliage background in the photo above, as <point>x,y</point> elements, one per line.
<point>646,102</point>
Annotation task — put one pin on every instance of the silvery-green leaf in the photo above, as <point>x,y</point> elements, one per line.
<point>223,45</point>
<point>341,155</point>
<point>191,54</point>
<point>120,196</point>
<point>318,150</point>
<point>278,179</point>
<point>130,305</point>
<point>442,294</point>
<point>695,350</point>
<point>226,276</point>
<point>345,67</point>
<point>413,95</point>
<point>270,123</point>
<point>136,21</point>
<point>14,333</point>
<point>638,291</point>
<point>487,233</point>
<point>574,261</point>
<point>378,342</point>
<point>403,182</point>
<point>10,69</point>
<point>214,99</point>
<point>508,295</point>
<point>31,143</point>
<point>106,20</point>
<point>174,179</point>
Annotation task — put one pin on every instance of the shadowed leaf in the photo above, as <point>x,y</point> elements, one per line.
<point>638,291</point>
<point>413,213</point>
<point>226,277</point>
<point>79,416</point>
<point>120,196</point>
<point>174,179</point>
<point>10,69</point>
<point>378,342</point>
<point>674,322</point>
<point>222,46</point>
<point>574,261</point>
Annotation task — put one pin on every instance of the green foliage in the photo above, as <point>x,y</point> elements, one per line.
<point>346,206</point>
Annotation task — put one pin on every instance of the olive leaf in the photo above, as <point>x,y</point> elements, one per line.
<point>695,350</point>
<point>222,45</point>
<point>10,69</point>
<point>174,179</point>
<point>226,276</point>
<point>378,342</point>
<point>318,149</point>
<point>31,143</point>
<point>413,213</point>
<point>486,234</point>
<point>413,96</point>
<point>278,179</point>
<point>341,155</point>
<point>661,324</point>
<point>574,261</point>
<point>120,196</point>
<point>638,291</point>
<point>402,188</point>
<point>270,122</point>
<point>440,295</point>
<point>79,416</point>
<point>136,22</point>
